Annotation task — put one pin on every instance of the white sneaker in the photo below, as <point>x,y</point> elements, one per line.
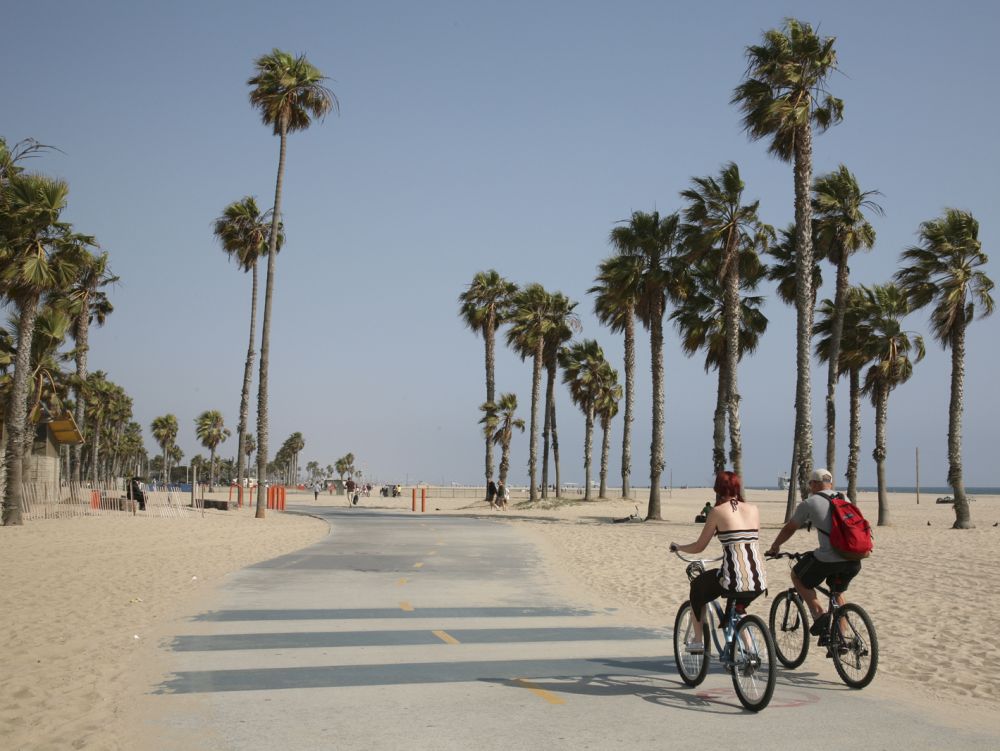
<point>694,648</point>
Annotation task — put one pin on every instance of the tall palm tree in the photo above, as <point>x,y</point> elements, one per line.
<point>783,97</point>
<point>852,357</point>
<point>717,221</point>
<point>289,93</point>
<point>87,303</point>
<point>700,320</point>
<point>586,372</point>
<point>616,297</point>
<point>164,430</point>
<point>211,431</point>
<point>889,347</point>
<point>606,408</point>
<point>99,395</point>
<point>499,424</point>
<point>943,272</point>
<point>249,446</point>
<point>35,258</point>
<point>483,307</point>
<point>244,233</point>
<point>564,324</point>
<point>654,239</point>
<point>840,230</point>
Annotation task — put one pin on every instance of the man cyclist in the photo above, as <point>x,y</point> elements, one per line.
<point>823,562</point>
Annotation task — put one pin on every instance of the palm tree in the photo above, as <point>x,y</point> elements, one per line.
<point>943,272</point>
<point>564,323</point>
<point>586,372</point>
<point>289,93</point>
<point>782,97</point>
<point>654,239</point>
<point>700,320</point>
<point>616,298</point>
<point>852,357</point>
<point>606,408</point>
<point>35,258</point>
<point>244,233</point>
<point>249,446</point>
<point>499,424</point>
<point>483,307</point>
<point>164,430</point>
<point>87,304</point>
<point>530,321</point>
<point>719,222</point>
<point>211,431</point>
<point>889,347</point>
<point>840,229</point>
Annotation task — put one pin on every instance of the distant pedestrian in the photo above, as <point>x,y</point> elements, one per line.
<point>491,493</point>
<point>503,495</point>
<point>316,489</point>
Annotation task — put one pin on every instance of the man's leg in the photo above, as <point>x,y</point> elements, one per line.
<point>808,595</point>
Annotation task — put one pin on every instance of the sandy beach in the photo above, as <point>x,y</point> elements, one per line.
<point>85,600</point>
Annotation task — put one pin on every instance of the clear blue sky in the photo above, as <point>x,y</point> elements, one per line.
<point>510,135</point>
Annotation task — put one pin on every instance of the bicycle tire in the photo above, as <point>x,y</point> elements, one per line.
<point>754,669</point>
<point>691,668</point>
<point>854,650</point>
<point>789,627</point>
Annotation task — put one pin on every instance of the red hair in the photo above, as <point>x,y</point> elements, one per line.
<point>728,485</point>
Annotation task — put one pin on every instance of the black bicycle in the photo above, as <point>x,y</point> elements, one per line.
<point>746,650</point>
<point>848,635</point>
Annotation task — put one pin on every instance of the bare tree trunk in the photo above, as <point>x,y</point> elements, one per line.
<point>536,388</point>
<point>588,443</point>
<point>963,519</point>
<point>803,303</point>
<point>555,449</point>
<point>731,316</point>
<point>550,395</point>
<point>17,412</point>
<point>854,442</point>
<point>605,448</point>
<point>719,422</point>
<point>211,470</point>
<point>832,369</point>
<point>79,409</point>
<point>241,431</point>
<point>878,454</point>
<point>629,405</point>
<point>265,344</point>
<point>489,344</point>
<point>505,458</point>
<point>656,462</point>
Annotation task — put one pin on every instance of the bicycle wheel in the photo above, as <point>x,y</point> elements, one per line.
<point>854,646</point>
<point>692,667</point>
<point>754,670</point>
<point>790,629</point>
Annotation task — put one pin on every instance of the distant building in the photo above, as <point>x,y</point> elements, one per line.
<point>43,465</point>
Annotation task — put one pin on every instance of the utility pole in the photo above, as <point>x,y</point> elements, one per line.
<point>918,475</point>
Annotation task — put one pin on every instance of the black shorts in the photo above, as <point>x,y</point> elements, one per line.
<point>707,587</point>
<point>838,574</point>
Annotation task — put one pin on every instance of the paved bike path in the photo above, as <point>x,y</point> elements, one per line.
<point>402,631</point>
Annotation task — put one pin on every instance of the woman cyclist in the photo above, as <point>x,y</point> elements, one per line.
<point>737,523</point>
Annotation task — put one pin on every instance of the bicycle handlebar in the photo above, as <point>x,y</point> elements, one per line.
<point>793,556</point>
<point>695,560</point>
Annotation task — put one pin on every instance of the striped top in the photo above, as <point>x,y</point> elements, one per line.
<point>742,568</point>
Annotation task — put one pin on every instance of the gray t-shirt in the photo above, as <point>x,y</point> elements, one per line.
<point>816,509</point>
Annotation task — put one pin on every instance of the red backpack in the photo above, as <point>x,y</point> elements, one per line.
<point>850,533</point>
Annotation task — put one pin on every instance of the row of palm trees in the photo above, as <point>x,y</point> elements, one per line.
<point>706,261</point>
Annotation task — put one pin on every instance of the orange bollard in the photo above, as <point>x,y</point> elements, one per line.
<point>95,499</point>
<point>282,501</point>
<point>414,499</point>
<point>423,500</point>
<point>239,496</point>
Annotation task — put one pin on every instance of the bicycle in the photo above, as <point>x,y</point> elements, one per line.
<point>849,636</point>
<point>746,650</point>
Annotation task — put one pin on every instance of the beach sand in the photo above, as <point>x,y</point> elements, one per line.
<point>85,601</point>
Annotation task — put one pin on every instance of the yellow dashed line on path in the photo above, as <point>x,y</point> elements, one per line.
<point>431,552</point>
<point>445,637</point>
<point>542,693</point>
<point>404,605</point>
<point>418,565</point>
<point>401,582</point>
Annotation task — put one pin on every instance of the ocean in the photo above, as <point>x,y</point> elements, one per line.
<point>929,490</point>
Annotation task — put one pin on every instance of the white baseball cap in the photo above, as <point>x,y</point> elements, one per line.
<point>821,475</point>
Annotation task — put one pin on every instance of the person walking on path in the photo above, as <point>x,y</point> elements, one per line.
<point>491,493</point>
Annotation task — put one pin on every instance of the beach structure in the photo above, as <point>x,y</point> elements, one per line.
<point>43,461</point>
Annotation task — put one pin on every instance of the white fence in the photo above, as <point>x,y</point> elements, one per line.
<point>51,501</point>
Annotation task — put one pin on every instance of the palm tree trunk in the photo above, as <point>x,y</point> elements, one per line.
<point>555,448</point>
<point>550,395</point>
<point>489,343</point>
<point>629,405</point>
<point>719,422</point>
<point>963,519</point>
<point>792,485</point>
<point>656,442</point>
<point>79,409</point>
<point>265,343</point>
<point>878,454</point>
<point>605,449</point>
<point>504,457</point>
<point>854,442</point>
<point>241,431</point>
<point>588,443</point>
<point>536,388</point>
<point>95,451</point>
<point>832,369</point>
<point>211,471</point>
<point>803,303</point>
<point>732,319</point>
<point>17,412</point>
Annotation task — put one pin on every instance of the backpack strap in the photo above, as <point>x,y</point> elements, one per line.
<point>829,498</point>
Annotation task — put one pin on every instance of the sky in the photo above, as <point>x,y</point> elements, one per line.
<point>506,135</point>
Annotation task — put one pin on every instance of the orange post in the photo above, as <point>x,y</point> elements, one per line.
<point>423,500</point>
<point>414,499</point>
<point>239,496</point>
<point>95,498</point>
<point>282,503</point>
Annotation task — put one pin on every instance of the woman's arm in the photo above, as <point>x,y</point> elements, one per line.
<point>707,533</point>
